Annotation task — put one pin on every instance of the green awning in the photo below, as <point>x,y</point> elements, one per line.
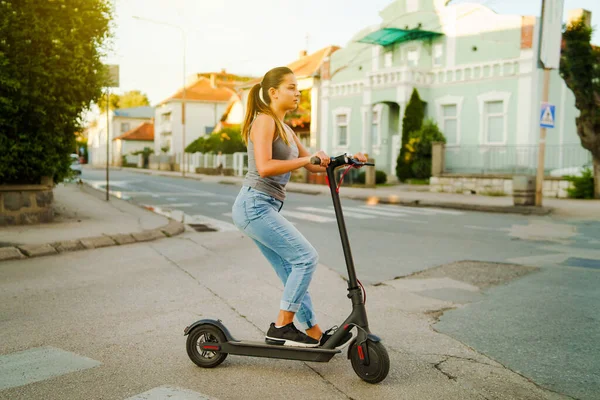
<point>387,36</point>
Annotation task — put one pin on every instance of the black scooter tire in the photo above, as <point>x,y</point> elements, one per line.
<point>379,364</point>
<point>205,359</point>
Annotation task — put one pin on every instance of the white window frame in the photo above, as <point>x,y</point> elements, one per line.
<point>388,58</point>
<point>378,109</point>
<point>341,111</point>
<point>433,54</point>
<point>127,124</point>
<point>416,49</point>
<point>490,97</point>
<point>450,101</point>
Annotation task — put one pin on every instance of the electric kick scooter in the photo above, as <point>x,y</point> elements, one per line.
<point>209,341</point>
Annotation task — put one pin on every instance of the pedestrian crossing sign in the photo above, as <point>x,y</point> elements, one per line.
<point>547,116</point>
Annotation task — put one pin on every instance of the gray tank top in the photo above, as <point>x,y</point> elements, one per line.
<point>272,185</point>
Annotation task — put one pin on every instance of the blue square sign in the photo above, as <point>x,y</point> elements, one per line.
<point>547,115</point>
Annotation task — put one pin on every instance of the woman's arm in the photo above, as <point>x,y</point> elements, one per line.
<point>262,134</point>
<point>302,152</point>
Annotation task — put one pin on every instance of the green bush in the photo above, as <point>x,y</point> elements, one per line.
<point>411,122</point>
<point>380,177</point>
<point>227,141</point>
<point>418,149</point>
<point>50,73</point>
<point>583,186</point>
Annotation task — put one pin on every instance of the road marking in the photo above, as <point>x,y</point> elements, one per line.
<point>181,205</point>
<point>375,212</point>
<point>306,216</point>
<point>168,392</point>
<point>418,210</point>
<point>325,211</point>
<point>484,228</point>
<point>38,364</point>
<point>217,203</point>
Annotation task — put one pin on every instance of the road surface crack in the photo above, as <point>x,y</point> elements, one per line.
<point>235,310</point>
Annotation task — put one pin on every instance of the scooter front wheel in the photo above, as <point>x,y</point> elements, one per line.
<point>205,333</point>
<point>370,361</point>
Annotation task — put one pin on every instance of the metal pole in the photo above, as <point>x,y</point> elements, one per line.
<point>184,165</point>
<point>539,184</point>
<point>107,137</point>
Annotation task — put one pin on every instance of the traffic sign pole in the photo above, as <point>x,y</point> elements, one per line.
<point>539,185</point>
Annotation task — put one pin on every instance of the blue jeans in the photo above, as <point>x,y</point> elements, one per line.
<point>294,259</point>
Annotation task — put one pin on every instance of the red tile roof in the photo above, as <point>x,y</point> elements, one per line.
<point>304,66</point>
<point>205,89</point>
<point>144,131</point>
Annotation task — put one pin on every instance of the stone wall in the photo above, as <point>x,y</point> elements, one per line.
<point>496,185</point>
<point>26,204</point>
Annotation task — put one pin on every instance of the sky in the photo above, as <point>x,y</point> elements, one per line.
<point>248,37</point>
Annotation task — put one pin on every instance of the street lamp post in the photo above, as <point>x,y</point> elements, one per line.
<point>183,116</point>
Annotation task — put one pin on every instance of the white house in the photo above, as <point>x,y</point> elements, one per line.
<point>206,98</point>
<point>120,121</point>
<point>133,140</point>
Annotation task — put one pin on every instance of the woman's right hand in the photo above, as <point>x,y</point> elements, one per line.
<point>323,157</point>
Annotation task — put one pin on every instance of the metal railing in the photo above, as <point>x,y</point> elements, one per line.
<point>516,159</point>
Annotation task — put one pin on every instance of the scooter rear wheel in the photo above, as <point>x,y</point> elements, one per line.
<point>379,362</point>
<point>202,334</point>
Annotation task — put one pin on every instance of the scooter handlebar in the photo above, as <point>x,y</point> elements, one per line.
<point>338,161</point>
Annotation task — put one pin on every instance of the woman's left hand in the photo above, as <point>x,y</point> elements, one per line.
<point>360,157</point>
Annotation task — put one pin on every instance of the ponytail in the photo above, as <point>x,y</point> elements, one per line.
<point>258,104</point>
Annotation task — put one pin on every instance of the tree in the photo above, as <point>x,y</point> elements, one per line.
<point>133,98</point>
<point>580,68</point>
<point>411,122</point>
<point>50,72</point>
<point>227,141</point>
<point>419,148</point>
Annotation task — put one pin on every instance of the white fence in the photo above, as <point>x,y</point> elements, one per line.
<point>236,161</point>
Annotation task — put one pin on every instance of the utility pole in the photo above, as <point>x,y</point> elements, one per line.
<point>549,57</point>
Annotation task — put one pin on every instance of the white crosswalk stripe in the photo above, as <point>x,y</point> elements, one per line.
<point>307,216</point>
<point>417,210</point>
<point>332,212</point>
<point>385,213</point>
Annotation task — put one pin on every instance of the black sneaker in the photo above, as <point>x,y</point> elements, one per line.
<point>329,333</point>
<point>289,335</point>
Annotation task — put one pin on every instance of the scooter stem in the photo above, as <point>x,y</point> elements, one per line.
<point>352,284</point>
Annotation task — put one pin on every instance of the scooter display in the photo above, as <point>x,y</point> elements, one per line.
<point>209,341</point>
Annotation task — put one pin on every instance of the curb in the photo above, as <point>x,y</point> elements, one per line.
<point>395,200</point>
<point>173,228</point>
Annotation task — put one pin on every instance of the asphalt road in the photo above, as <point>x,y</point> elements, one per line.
<point>544,325</point>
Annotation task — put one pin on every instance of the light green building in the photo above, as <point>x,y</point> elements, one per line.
<point>476,70</point>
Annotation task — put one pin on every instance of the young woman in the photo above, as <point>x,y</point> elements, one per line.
<point>273,152</point>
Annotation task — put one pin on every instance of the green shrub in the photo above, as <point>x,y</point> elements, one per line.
<point>411,122</point>
<point>419,148</point>
<point>50,73</point>
<point>380,177</point>
<point>227,141</point>
<point>583,186</point>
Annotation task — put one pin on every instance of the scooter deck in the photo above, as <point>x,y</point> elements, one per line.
<point>261,349</point>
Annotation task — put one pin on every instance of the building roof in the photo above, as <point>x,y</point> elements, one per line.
<point>305,66</point>
<point>135,112</point>
<point>144,131</point>
<point>210,86</point>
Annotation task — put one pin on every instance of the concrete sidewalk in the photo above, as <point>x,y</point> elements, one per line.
<point>122,311</point>
<point>419,196</point>
<point>85,220</point>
